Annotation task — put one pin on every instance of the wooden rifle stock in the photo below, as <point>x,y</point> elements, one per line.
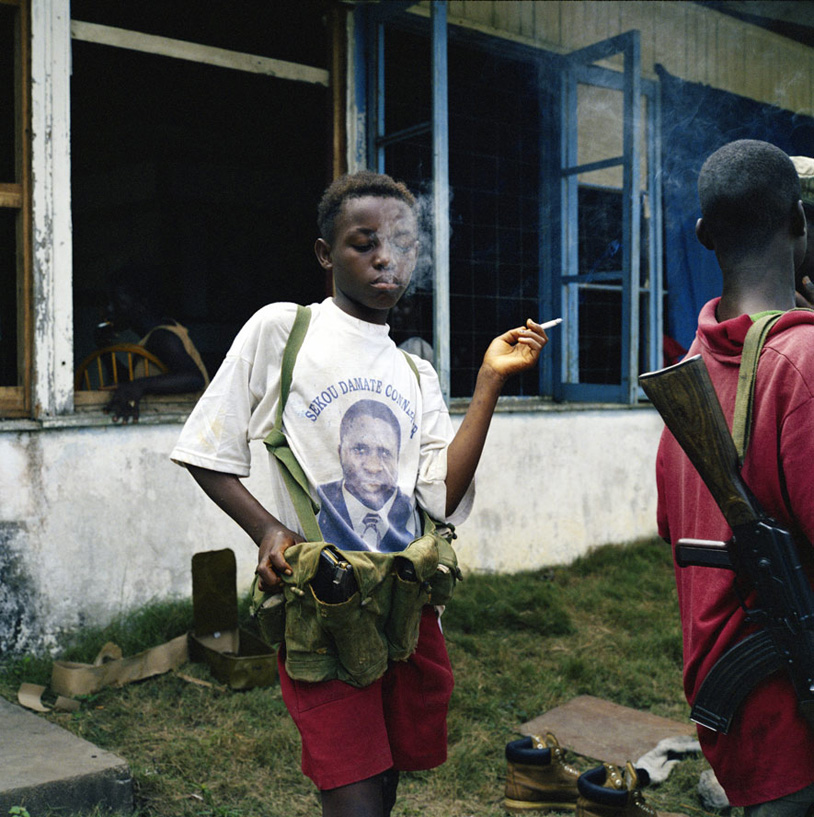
<point>766,553</point>
<point>688,404</point>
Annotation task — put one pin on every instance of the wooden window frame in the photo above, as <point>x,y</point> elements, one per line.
<point>15,401</point>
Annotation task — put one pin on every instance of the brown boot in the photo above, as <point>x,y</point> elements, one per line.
<point>608,792</point>
<point>537,778</point>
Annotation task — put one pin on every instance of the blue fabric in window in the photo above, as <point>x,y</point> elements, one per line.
<point>696,120</point>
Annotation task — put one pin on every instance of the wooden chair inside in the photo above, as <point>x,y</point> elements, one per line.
<point>106,368</point>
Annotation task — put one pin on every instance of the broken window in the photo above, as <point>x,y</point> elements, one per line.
<point>15,210</point>
<point>200,147</point>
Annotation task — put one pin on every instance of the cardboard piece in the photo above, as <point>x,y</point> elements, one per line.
<point>236,657</point>
<point>601,730</point>
<point>71,679</point>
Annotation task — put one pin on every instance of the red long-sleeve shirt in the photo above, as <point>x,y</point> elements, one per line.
<point>769,752</point>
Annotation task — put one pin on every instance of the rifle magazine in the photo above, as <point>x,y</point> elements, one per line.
<point>732,678</point>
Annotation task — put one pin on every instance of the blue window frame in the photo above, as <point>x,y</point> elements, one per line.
<point>609,286</point>
<point>495,134</point>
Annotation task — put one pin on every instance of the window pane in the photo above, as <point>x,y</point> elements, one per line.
<point>204,179</point>
<point>494,176</point>
<point>8,25</point>
<point>8,298</point>
<point>249,26</point>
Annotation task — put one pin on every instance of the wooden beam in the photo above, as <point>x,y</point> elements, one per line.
<point>25,241</point>
<point>194,52</point>
<point>11,195</point>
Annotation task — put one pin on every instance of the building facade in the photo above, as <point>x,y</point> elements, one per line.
<point>553,146</point>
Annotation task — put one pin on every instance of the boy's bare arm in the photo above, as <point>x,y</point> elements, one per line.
<point>511,353</point>
<point>272,538</point>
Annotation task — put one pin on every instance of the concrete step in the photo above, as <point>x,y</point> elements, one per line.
<point>43,766</point>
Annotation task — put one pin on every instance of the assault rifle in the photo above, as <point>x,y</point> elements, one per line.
<point>762,554</point>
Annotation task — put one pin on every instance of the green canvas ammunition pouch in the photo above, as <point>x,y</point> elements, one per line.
<point>355,639</point>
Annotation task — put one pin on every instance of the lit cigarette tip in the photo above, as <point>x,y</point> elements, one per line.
<point>549,324</point>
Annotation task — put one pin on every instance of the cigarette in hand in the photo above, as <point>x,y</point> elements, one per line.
<point>549,324</point>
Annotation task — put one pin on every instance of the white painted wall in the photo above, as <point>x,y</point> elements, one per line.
<point>553,484</point>
<point>95,519</point>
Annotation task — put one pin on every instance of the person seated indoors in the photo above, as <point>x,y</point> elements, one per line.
<point>132,307</point>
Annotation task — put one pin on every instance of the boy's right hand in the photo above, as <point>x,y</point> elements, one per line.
<point>271,563</point>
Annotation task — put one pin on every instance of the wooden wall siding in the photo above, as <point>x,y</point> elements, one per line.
<point>692,42</point>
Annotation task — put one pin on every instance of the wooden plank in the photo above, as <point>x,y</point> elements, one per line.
<point>455,8</point>
<point>730,54</point>
<point>11,195</point>
<point>25,241</point>
<point>602,730</point>
<point>194,52</point>
<point>796,95</point>
<point>569,22</point>
<point>507,17</point>
<point>640,16</point>
<point>548,22</point>
<point>582,22</point>
<point>753,85</point>
<point>337,21</point>
<point>479,11</point>
<point>691,45</point>
<point>669,44</point>
<point>13,401</point>
<point>708,39</point>
<point>526,8</point>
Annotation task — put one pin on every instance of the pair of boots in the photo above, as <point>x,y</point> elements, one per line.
<point>539,779</point>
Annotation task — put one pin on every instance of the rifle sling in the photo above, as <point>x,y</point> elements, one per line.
<point>745,397</point>
<point>744,400</point>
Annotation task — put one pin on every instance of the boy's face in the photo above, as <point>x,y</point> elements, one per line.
<point>372,256</point>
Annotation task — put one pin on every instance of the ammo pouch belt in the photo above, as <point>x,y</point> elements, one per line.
<point>353,640</point>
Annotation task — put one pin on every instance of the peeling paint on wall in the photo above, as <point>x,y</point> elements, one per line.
<point>19,630</point>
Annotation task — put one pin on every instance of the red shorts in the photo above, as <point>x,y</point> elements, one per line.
<point>400,721</point>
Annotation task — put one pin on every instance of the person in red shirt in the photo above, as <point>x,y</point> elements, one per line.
<point>753,219</point>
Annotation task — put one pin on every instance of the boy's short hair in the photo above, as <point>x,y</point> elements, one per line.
<point>354,186</point>
<point>748,190</point>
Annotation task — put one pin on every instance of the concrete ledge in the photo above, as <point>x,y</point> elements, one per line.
<point>43,767</point>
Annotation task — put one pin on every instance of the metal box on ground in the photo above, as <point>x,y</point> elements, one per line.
<point>236,657</point>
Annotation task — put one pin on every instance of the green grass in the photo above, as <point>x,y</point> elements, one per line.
<point>607,626</point>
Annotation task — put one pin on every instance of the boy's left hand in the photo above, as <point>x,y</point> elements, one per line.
<point>516,350</point>
<point>124,405</point>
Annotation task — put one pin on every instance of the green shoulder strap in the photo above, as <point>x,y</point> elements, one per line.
<point>276,442</point>
<point>744,399</point>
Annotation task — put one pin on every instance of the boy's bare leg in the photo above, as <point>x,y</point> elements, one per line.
<point>390,783</point>
<point>362,799</point>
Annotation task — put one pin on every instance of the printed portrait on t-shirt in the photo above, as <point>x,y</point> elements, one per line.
<point>365,508</point>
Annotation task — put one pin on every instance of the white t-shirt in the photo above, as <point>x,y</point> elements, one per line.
<point>393,442</point>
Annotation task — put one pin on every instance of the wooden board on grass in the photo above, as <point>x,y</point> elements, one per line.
<point>601,730</point>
